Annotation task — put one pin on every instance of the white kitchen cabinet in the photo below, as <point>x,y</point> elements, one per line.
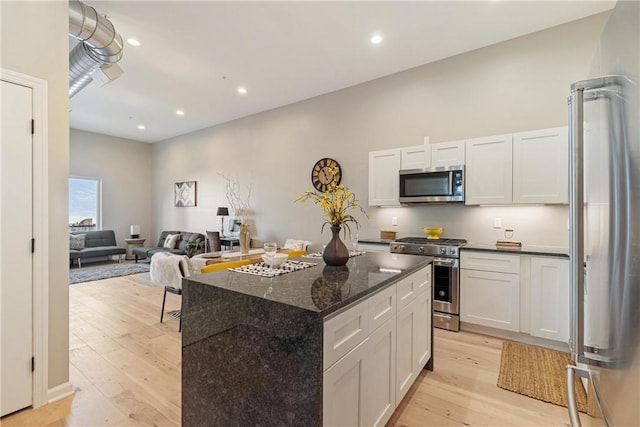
<point>490,290</point>
<point>416,157</point>
<point>380,379</point>
<point>361,349</point>
<point>414,336</point>
<point>450,153</point>
<point>344,391</point>
<point>488,175</point>
<point>490,299</point>
<point>405,372</point>
<point>422,338</point>
<point>384,181</point>
<point>344,331</point>
<point>488,261</point>
<point>549,298</point>
<point>541,166</point>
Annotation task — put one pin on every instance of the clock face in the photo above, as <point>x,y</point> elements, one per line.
<point>322,174</point>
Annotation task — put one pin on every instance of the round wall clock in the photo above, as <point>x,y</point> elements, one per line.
<point>322,174</point>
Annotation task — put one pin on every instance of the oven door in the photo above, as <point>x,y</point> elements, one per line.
<point>446,285</point>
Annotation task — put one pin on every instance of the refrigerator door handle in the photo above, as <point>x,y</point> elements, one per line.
<point>576,214</point>
<point>572,404</point>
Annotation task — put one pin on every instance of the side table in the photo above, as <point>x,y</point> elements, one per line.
<point>132,243</point>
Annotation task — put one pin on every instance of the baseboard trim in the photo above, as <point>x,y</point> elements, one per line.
<point>514,336</point>
<point>59,392</point>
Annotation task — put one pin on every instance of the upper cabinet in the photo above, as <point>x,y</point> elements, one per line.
<point>417,157</point>
<point>384,165</point>
<point>384,182</point>
<point>448,153</point>
<point>541,166</point>
<point>521,168</point>
<point>488,170</point>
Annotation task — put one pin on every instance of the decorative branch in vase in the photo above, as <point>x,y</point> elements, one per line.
<point>241,209</point>
<point>336,203</point>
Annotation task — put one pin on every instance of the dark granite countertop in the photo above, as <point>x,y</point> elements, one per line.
<point>376,241</point>
<point>321,289</point>
<point>524,250</point>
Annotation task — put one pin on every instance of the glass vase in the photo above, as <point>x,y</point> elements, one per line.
<point>245,239</point>
<point>336,252</point>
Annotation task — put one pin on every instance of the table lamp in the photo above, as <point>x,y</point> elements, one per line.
<point>135,231</point>
<point>222,212</point>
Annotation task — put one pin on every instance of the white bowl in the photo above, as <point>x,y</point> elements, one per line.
<point>277,260</point>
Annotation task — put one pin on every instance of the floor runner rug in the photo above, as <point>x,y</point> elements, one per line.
<point>89,274</point>
<point>538,373</point>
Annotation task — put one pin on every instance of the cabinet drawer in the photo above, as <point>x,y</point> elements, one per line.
<point>345,331</point>
<point>486,261</point>
<point>382,307</point>
<point>408,288</point>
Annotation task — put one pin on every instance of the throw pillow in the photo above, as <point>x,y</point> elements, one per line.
<point>76,241</point>
<point>171,240</point>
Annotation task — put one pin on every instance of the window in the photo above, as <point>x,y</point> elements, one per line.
<point>84,204</point>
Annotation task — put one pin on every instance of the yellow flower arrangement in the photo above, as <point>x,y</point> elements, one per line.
<point>335,204</point>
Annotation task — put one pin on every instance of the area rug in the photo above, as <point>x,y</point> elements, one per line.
<point>538,373</point>
<point>80,275</point>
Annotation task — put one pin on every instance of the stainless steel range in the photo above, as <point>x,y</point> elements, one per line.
<point>446,275</point>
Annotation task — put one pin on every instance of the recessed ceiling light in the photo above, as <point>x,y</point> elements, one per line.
<point>242,90</point>
<point>376,39</point>
<point>180,112</point>
<point>141,127</point>
<point>133,42</point>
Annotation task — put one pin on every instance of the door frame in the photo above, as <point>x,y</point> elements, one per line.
<point>40,208</point>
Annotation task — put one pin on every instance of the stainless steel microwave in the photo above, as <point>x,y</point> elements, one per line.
<point>433,185</point>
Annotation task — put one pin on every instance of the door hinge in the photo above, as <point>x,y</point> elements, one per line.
<point>33,126</point>
<point>33,246</point>
<point>33,364</point>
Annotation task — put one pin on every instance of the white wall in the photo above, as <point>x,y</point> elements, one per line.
<point>124,168</point>
<point>513,86</point>
<point>35,42</point>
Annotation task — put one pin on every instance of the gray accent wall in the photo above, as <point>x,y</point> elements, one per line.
<point>124,168</point>
<point>517,85</point>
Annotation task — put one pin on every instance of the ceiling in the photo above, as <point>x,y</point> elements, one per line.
<point>195,54</point>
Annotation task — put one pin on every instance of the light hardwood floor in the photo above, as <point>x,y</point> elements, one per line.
<point>125,370</point>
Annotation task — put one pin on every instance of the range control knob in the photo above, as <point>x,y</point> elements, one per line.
<point>443,251</point>
<point>397,248</point>
<point>421,249</point>
<point>452,251</point>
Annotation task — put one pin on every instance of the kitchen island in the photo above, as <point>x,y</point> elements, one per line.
<point>267,351</point>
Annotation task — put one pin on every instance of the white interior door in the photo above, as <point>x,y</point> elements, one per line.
<point>16,263</point>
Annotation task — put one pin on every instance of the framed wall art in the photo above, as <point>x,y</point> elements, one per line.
<point>185,194</point>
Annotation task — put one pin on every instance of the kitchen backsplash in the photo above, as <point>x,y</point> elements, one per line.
<point>532,225</point>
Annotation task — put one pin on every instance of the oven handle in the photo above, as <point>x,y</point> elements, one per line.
<point>445,262</point>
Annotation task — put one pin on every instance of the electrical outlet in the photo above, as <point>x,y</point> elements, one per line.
<point>497,222</point>
<point>394,220</point>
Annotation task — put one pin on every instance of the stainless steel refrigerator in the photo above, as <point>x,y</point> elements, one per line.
<point>605,225</point>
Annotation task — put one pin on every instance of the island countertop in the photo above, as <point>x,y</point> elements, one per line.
<point>252,346</point>
<point>316,288</point>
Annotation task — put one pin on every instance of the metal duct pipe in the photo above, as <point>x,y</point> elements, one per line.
<point>100,44</point>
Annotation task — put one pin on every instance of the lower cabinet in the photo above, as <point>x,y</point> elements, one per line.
<point>380,381</point>
<point>549,298</point>
<point>414,335</point>
<point>343,390</point>
<point>495,292</point>
<point>365,385</point>
<point>490,299</point>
